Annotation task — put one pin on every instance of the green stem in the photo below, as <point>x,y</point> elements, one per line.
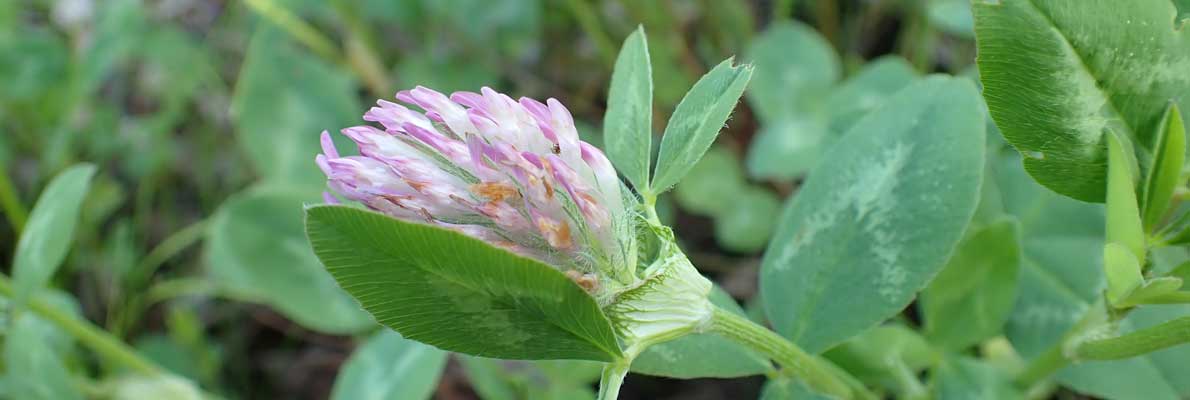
<point>358,58</point>
<point>789,356</point>
<point>1041,367</point>
<point>361,51</point>
<point>1142,341</point>
<point>588,21</point>
<point>174,288</point>
<point>296,27</point>
<point>908,383</point>
<point>138,277</point>
<point>611,379</point>
<point>11,203</point>
<point>88,334</point>
<point>1053,359</point>
<point>170,247</point>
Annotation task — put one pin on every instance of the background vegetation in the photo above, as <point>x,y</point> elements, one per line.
<point>202,117</point>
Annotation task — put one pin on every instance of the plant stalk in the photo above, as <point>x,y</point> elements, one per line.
<point>1143,341</point>
<point>791,358</point>
<point>611,379</point>
<point>1054,359</point>
<point>358,57</point>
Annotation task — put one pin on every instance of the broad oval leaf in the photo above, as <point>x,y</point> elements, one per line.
<point>697,120</point>
<point>789,146</point>
<point>457,293</point>
<point>256,251</point>
<point>49,231</point>
<point>795,67</point>
<point>389,367</point>
<point>879,217</point>
<point>747,226</point>
<point>867,90</point>
<point>971,297</point>
<point>703,355</point>
<point>628,123</point>
<point>1091,65</point>
<point>284,97</point>
<point>709,187</point>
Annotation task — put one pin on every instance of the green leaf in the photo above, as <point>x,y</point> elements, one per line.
<point>1122,272</point>
<point>388,366</point>
<point>1124,226</point>
<point>536,380</point>
<point>33,370</point>
<point>968,378</point>
<point>255,249</point>
<point>1166,170</point>
<point>49,231</point>
<point>788,389</point>
<point>703,355</point>
<point>120,28</point>
<point>427,282</point>
<point>1093,66</point>
<point>867,90</point>
<point>795,68</point>
<point>748,224</point>
<point>696,122</point>
<point>1061,277</point>
<point>787,148</point>
<point>32,65</point>
<point>284,98</point>
<point>952,16</point>
<point>628,123</point>
<point>969,301</point>
<point>876,356</point>
<point>1155,291</point>
<point>709,187</point>
<point>872,224</point>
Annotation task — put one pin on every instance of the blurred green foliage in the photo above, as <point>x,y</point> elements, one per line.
<point>202,118</point>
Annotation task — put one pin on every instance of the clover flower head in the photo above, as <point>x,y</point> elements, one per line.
<point>509,172</point>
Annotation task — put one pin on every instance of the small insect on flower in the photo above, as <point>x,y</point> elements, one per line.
<point>510,172</point>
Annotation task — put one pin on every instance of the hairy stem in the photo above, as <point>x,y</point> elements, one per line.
<point>611,379</point>
<point>793,359</point>
<point>1041,367</point>
<point>1143,341</point>
<point>1053,359</point>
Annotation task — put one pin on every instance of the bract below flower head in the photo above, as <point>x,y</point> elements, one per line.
<point>510,172</point>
